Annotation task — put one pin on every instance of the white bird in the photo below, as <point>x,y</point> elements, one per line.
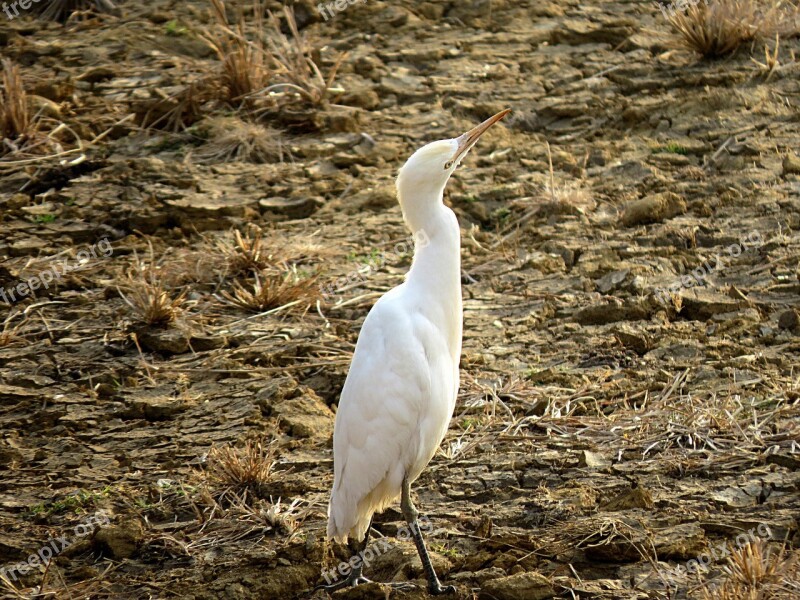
<point>401,389</point>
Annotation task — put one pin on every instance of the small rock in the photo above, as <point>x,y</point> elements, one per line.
<point>159,408</point>
<point>97,74</point>
<point>601,314</point>
<point>204,211</point>
<point>406,87</point>
<point>611,281</point>
<point>681,542</point>
<point>158,17</point>
<point>522,586</point>
<point>654,208</point>
<point>670,160</point>
<point>39,105</point>
<point>9,456</point>
<point>294,208</point>
<point>201,343</point>
<point>791,164</point>
<point>362,98</point>
<point>635,497</point>
<point>635,340</point>
<point>342,119</point>
<point>15,202</point>
<point>119,541</point>
<point>171,341</point>
<point>431,11</point>
<point>701,304</point>
<point>375,198</point>
<point>299,410</point>
<point>57,91</point>
<point>367,66</point>
<point>546,263</point>
<point>593,460</point>
<point>789,320</point>
<point>732,498</point>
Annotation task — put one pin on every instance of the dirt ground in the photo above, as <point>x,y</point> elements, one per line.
<point>627,420</point>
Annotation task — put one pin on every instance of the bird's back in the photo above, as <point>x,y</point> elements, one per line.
<point>395,406</point>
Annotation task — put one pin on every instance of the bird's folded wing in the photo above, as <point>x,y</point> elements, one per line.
<point>377,422</point>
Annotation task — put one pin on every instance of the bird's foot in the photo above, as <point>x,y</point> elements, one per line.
<point>437,589</point>
<point>344,583</point>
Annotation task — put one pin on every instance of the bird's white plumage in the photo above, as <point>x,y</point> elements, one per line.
<point>401,389</point>
<point>396,402</point>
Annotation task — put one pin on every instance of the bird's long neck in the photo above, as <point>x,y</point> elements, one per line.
<point>437,254</point>
<point>435,274</point>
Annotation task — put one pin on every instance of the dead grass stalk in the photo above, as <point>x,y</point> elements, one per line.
<point>720,27</point>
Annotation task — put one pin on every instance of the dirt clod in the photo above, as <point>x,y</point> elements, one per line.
<point>522,586</point>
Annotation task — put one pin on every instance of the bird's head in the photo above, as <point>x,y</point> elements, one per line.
<point>423,178</point>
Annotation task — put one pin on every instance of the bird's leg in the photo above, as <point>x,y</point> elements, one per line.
<point>354,578</point>
<point>411,514</point>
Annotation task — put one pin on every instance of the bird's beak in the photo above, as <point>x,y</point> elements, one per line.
<point>466,141</point>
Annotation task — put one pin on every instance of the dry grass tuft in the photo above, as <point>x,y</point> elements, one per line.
<point>17,126</point>
<point>245,65</point>
<point>148,295</point>
<point>294,60</point>
<point>22,134</point>
<point>720,27</point>
<point>247,251</point>
<point>771,62</point>
<point>273,516</point>
<point>755,564</point>
<point>262,72</point>
<point>756,572</point>
<point>245,469</point>
<point>181,110</point>
<point>9,334</point>
<point>274,289</point>
<point>62,10</point>
<point>232,139</point>
<point>271,62</point>
<point>568,197</point>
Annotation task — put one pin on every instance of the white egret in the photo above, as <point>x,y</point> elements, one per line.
<point>401,389</point>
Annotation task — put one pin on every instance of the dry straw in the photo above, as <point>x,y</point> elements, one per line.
<point>719,27</point>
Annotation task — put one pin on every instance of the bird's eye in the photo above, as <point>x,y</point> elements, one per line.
<point>448,164</point>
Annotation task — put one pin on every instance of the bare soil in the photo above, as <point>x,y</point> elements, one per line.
<point>619,416</point>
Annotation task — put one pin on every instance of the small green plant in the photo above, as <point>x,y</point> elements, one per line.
<point>175,29</point>
<point>169,144</point>
<point>445,551</point>
<point>670,148</point>
<point>79,503</point>
<point>469,423</point>
<point>44,218</point>
<point>501,215</point>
